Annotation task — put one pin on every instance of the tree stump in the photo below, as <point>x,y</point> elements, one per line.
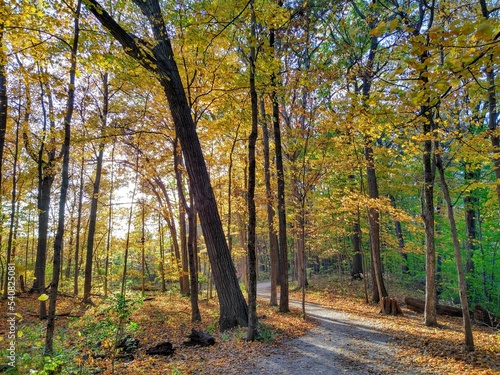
<point>391,306</point>
<point>199,338</point>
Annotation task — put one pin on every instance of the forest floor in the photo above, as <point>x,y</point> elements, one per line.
<point>352,338</point>
<point>341,335</point>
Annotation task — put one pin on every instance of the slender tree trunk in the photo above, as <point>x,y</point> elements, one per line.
<point>182,219</point>
<point>252,214</point>
<point>129,225</point>
<point>170,220</point>
<point>371,177</point>
<point>283,247</point>
<point>273,238</point>
<point>469,341</point>
<point>58,243</point>
<point>430,315</point>
<point>357,263</point>
<point>78,229</point>
<point>162,255</point>
<point>110,221</point>
<point>401,242</point>
<point>230,191</point>
<point>193,269</point>
<point>87,286</point>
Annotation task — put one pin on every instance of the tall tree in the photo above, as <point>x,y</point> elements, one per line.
<point>280,172</point>
<point>160,61</point>
<point>58,243</point>
<point>103,116</point>
<point>469,340</point>
<point>252,215</point>
<point>273,237</point>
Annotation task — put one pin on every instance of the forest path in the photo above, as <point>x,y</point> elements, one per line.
<point>341,343</point>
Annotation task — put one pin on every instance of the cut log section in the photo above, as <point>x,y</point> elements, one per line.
<point>391,306</point>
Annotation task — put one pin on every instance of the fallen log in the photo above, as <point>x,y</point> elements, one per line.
<point>418,305</point>
<point>199,338</point>
<point>163,348</point>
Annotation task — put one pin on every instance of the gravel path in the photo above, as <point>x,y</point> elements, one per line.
<point>340,344</point>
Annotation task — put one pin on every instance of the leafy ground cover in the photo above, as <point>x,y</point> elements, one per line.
<point>440,350</point>
<point>85,340</point>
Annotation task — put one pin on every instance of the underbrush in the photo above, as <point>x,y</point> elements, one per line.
<point>87,344</point>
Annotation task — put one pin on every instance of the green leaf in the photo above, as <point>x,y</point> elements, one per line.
<point>43,297</point>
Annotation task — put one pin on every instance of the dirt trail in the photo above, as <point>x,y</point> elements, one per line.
<point>340,344</point>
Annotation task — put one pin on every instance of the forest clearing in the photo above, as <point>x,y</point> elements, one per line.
<point>159,158</point>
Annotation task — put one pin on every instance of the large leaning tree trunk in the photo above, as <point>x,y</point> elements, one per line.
<point>160,61</point>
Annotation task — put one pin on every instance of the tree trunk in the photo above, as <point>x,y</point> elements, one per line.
<point>252,214</point>
<point>162,255</point>
<point>401,242</point>
<point>78,229</point>
<point>193,268</point>
<point>129,224</point>
<point>169,219</point>
<point>273,238</point>
<point>110,221</point>
<point>58,243</point>
<point>95,196</point>
<point>357,261</point>
<point>428,218</point>
<point>427,115</point>
<point>371,177</point>
<point>283,247</point>
<point>469,341</point>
